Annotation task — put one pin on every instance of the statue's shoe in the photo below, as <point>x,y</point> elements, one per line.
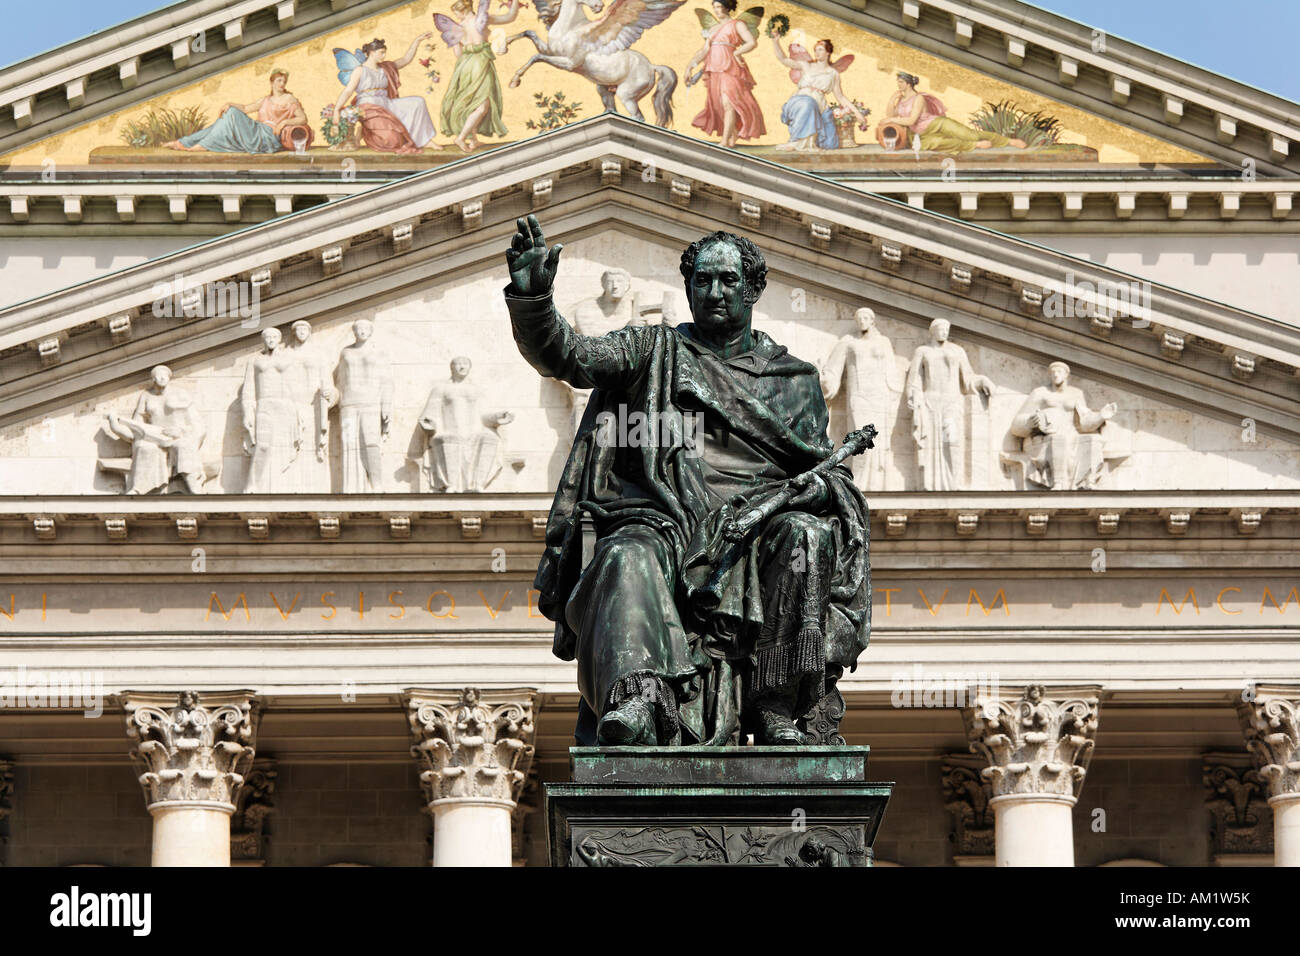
<point>778,729</point>
<point>630,724</point>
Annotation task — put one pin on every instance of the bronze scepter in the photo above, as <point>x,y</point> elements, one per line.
<point>735,529</point>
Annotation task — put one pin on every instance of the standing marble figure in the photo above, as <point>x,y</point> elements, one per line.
<point>313,391</point>
<point>273,425</point>
<point>865,362</point>
<point>682,635</point>
<point>938,380</point>
<point>364,381</point>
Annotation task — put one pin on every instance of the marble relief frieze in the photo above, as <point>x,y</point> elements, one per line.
<point>426,393</point>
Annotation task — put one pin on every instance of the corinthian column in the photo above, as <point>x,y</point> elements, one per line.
<point>1270,721</point>
<point>1037,749</point>
<point>192,754</point>
<point>474,749</point>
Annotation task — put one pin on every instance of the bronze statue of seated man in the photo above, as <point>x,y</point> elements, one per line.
<point>683,631</point>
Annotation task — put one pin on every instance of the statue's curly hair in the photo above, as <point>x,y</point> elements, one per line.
<point>751,261</point>
<point>375,44</point>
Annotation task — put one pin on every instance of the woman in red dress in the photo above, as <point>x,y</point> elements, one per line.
<point>730,108</point>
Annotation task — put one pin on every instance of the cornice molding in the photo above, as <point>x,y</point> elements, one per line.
<point>1216,515</point>
<point>1121,81</point>
<point>209,208</point>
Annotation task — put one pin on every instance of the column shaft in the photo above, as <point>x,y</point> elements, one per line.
<point>471,833</point>
<point>1286,830</point>
<point>186,835</point>
<point>1034,831</point>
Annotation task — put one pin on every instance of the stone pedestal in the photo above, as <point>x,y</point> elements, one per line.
<point>193,752</point>
<point>737,806</point>
<point>474,747</point>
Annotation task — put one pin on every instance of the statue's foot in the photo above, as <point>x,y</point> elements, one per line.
<point>630,724</point>
<point>776,728</point>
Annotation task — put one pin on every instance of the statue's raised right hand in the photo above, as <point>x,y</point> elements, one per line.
<point>532,264</point>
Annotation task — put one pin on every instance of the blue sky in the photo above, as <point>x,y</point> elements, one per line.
<point>1252,42</point>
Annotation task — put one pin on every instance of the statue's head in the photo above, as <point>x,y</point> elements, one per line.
<point>362,329</point>
<point>279,80</point>
<point>822,50</point>
<point>1060,373</point>
<point>460,367</point>
<point>615,283</point>
<point>374,50</point>
<point>161,375</point>
<point>724,274</point>
<point>301,330</point>
<point>723,8</point>
<point>939,330</point>
<point>866,319</point>
<point>271,339</point>
<point>907,82</point>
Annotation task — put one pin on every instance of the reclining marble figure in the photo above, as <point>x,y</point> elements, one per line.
<point>682,633</point>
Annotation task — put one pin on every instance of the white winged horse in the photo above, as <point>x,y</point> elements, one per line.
<point>599,50</point>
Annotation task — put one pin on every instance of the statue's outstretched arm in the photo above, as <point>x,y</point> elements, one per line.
<point>550,345</point>
<point>545,339</point>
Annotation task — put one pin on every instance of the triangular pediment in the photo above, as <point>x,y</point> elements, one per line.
<point>422,259</point>
<point>1001,72</point>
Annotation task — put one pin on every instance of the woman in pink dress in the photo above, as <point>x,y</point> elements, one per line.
<point>730,108</point>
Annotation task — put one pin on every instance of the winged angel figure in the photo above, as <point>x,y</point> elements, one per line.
<point>472,103</point>
<point>601,51</point>
<point>730,107</point>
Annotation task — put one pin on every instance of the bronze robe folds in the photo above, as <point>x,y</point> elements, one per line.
<point>665,595</point>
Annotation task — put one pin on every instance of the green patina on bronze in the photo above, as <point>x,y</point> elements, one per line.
<point>684,632</point>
